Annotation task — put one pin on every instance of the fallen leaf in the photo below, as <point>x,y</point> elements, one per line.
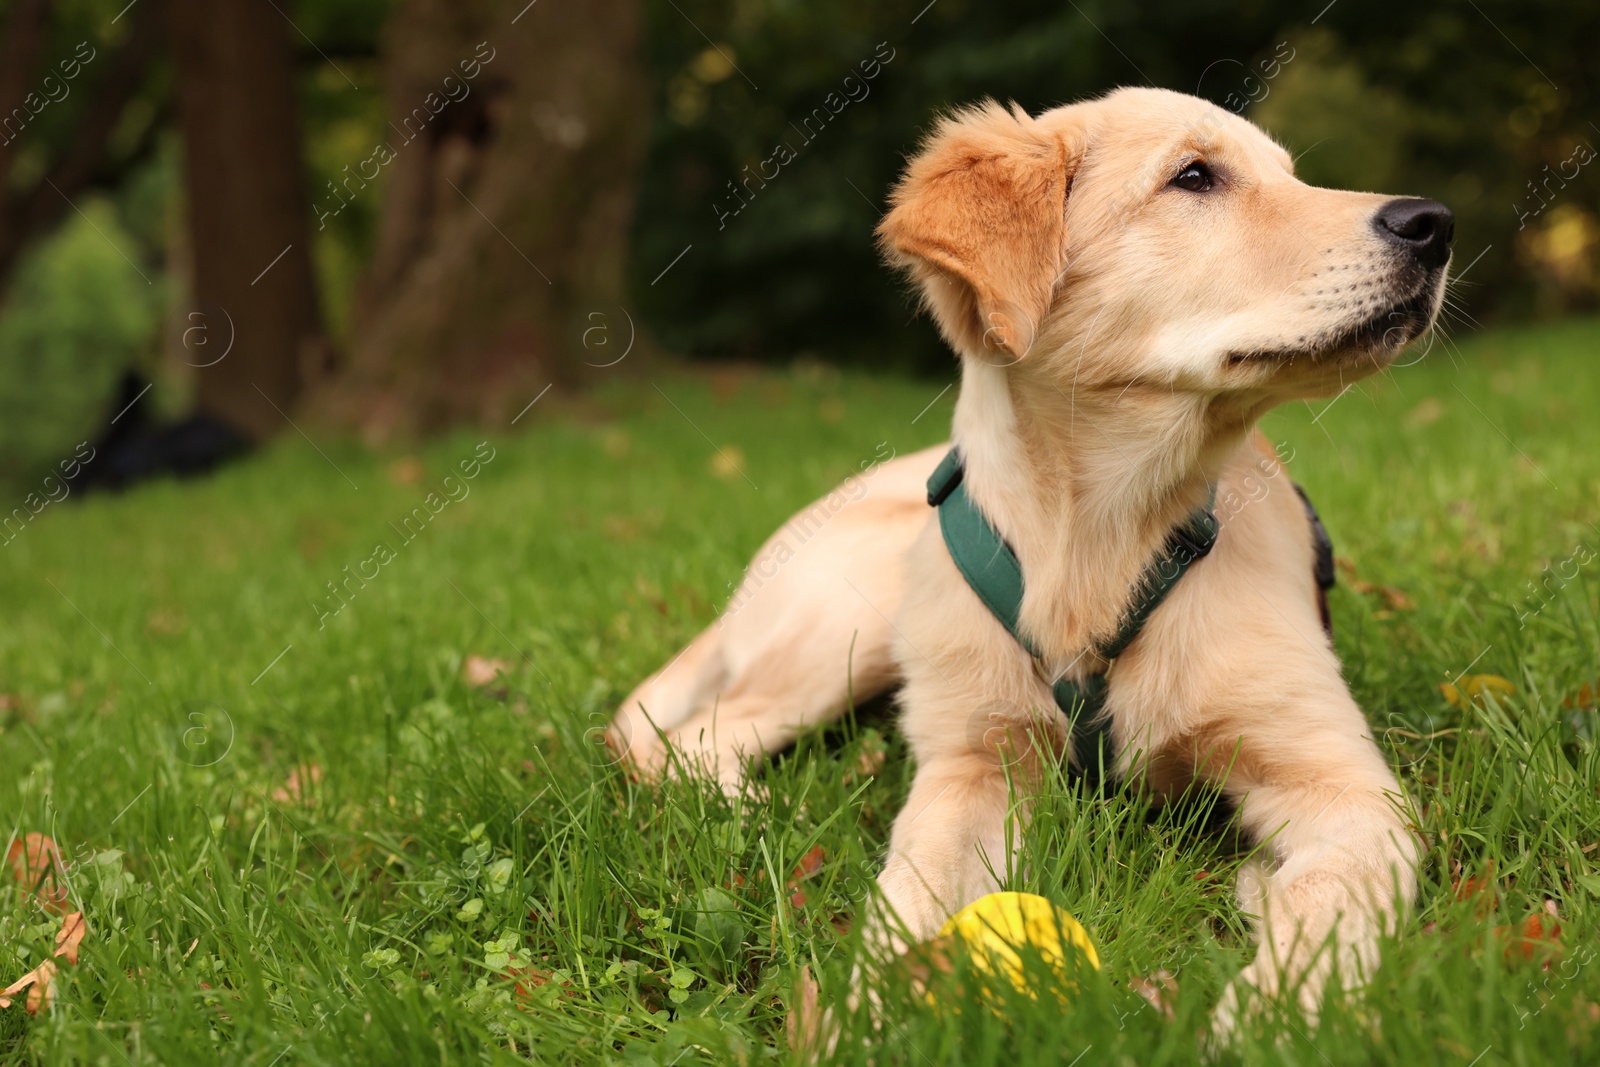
<point>296,789</point>
<point>166,622</point>
<point>1587,696</point>
<point>922,961</point>
<point>39,995</point>
<point>1396,598</point>
<point>37,981</point>
<point>1481,890</point>
<point>478,671</point>
<point>804,1026</point>
<point>1393,596</point>
<point>726,383</point>
<point>1537,935</point>
<point>871,758</point>
<point>1424,413</point>
<point>1160,989</point>
<point>70,935</point>
<point>809,864</point>
<point>621,527</point>
<point>406,470</point>
<point>1473,687</point>
<point>36,863</point>
<point>728,462</point>
<point>528,979</point>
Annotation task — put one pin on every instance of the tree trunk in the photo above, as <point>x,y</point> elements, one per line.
<point>20,46</point>
<point>27,214</point>
<point>253,284</point>
<point>516,131</point>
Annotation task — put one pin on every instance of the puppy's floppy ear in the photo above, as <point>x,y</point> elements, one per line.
<point>979,222</point>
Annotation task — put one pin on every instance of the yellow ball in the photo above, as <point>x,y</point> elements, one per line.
<point>994,927</point>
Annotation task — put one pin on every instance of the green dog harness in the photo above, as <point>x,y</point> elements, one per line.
<point>992,570</point>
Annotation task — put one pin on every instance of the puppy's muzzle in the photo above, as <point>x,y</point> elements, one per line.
<point>1423,228</point>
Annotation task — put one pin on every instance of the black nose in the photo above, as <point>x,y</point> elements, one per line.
<point>1426,227</point>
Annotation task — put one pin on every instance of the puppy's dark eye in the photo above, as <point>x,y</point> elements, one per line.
<point>1196,178</point>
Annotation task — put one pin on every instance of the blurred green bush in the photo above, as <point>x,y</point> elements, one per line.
<point>77,315</point>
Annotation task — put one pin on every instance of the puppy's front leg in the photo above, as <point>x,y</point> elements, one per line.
<point>1313,786</point>
<point>946,850</point>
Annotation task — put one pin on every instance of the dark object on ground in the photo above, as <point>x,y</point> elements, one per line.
<point>136,448</point>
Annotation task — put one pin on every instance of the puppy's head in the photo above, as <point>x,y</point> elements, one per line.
<point>1151,238</point>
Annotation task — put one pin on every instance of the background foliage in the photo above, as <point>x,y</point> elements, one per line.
<point>1475,103</point>
<point>1428,100</point>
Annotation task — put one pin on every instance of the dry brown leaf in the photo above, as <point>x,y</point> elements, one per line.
<point>920,963</point>
<point>70,936</point>
<point>36,863</point>
<point>166,622</point>
<point>406,471</point>
<point>1586,697</point>
<point>873,754</point>
<point>295,788</point>
<point>622,528</point>
<point>1396,598</point>
<point>37,981</point>
<point>478,671</point>
<point>1393,596</point>
<point>804,1027</point>
<point>1430,410</point>
<point>809,864</point>
<point>1539,935</point>
<point>1474,687</point>
<point>728,462</point>
<point>1481,890</point>
<point>528,979</point>
<point>726,383</point>
<point>1160,989</point>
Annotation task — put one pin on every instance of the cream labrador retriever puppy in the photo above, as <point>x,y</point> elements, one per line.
<point>1130,282</point>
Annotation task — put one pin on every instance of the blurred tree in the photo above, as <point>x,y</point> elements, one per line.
<point>51,149</point>
<point>509,160</point>
<point>784,262</point>
<point>488,217</point>
<point>247,208</point>
<point>1489,107</point>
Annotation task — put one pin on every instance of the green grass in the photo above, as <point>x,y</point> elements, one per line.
<point>150,721</point>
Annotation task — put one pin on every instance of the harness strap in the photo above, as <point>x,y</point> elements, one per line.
<point>1323,570</point>
<point>991,569</point>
